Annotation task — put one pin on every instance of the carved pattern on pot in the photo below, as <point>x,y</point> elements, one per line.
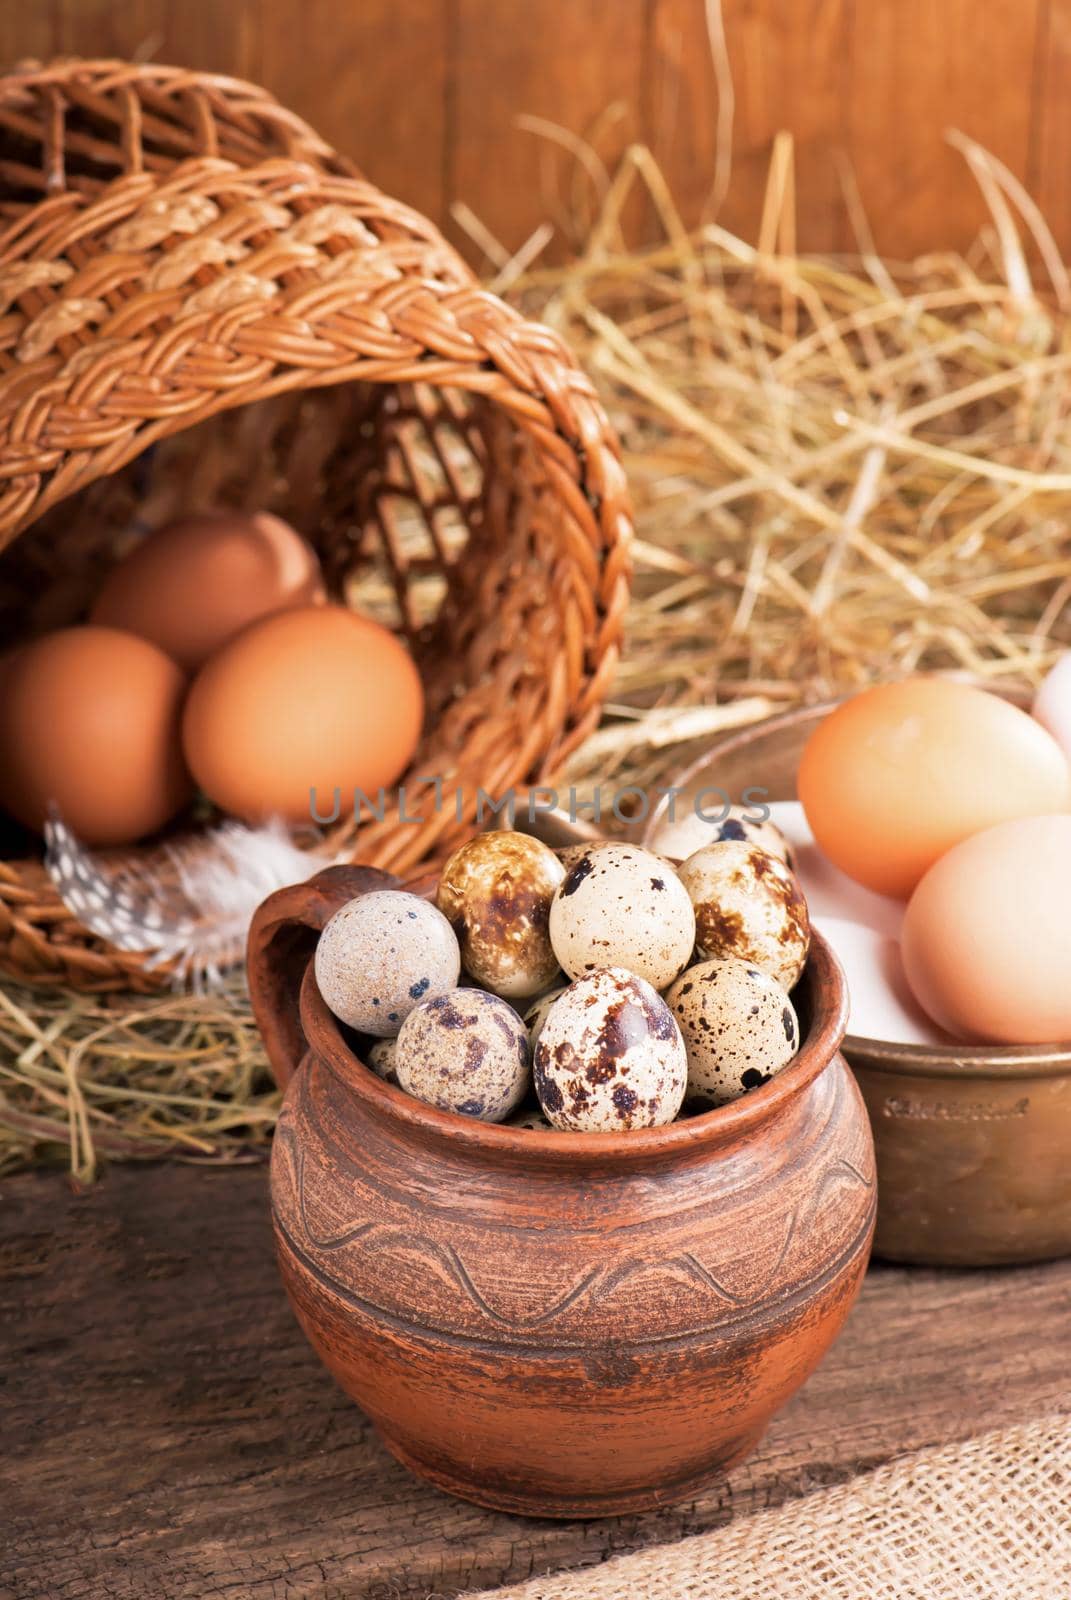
<point>594,1285</point>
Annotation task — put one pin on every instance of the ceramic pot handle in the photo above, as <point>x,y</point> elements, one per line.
<point>282,938</point>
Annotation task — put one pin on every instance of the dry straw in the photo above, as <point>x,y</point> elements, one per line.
<point>130,1079</point>
<point>842,470</point>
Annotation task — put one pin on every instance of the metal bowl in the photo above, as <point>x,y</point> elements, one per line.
<point>972,1141</point>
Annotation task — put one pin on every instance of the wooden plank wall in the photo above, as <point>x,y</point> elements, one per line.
<point>427,94</point>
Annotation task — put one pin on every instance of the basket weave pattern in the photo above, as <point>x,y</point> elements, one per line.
<point>201,303</point>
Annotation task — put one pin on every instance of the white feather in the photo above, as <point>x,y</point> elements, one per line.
<point>191,904</point>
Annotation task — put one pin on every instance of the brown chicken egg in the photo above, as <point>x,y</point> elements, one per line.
<point>89,721</point>
<point>895,777</point>
<point>496,891</point>
<point>986,939</point>
<point>300,712</point>
<point>195,583</point>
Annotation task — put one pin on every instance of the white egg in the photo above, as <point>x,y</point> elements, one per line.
<point>620,905</point>
<point>610,1056</point>
<point>739,1028</point>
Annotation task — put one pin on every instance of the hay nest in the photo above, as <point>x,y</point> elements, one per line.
<point>127,1079</point>
<point>843,470</point>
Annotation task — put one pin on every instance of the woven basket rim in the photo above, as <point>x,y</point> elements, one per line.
<point>155,299</point>
<point>113,71</point>
<point>60,68</point>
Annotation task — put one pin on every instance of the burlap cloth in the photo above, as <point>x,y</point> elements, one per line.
<point>985,1520</point>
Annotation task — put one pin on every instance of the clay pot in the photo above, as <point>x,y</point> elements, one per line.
<point>551,1323</point>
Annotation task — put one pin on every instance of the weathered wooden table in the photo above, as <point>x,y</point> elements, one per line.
<point>167,1433</point>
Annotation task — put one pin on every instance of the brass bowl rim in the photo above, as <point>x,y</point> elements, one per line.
<point>1021,1062</point>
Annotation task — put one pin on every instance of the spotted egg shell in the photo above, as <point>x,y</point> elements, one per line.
<point>496,890</point>
<point>567,854</point>
<point>535,1013</point>
<point>622,906</point>
<point>380,1057</point>
<point>531,1121</point>
<point>380,955</point>
<point>681,835</point>
<point>748,906</point>
<point>739,1028</point>
<point>465,1051</point>
<point>610,1056</point>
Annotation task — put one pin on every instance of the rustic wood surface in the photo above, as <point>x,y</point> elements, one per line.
<point>427,95</point>
<point>168,1434</point>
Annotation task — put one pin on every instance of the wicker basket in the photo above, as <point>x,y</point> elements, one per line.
<point>201,303</point>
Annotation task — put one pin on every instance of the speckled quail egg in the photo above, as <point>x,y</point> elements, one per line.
<point>380,1057</point>
<point>622,906</point>
<point>610,1056</point>
<point>687,832</point>
<point>535,1013</point>
<point>739,1028</point>
<point>496,890</point>
<point>748,906</point>
<point>567,854</point>
<point>380,955</point>
<point>465,1051</point>
<point>571,853</point>
<point>531,1121</point>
